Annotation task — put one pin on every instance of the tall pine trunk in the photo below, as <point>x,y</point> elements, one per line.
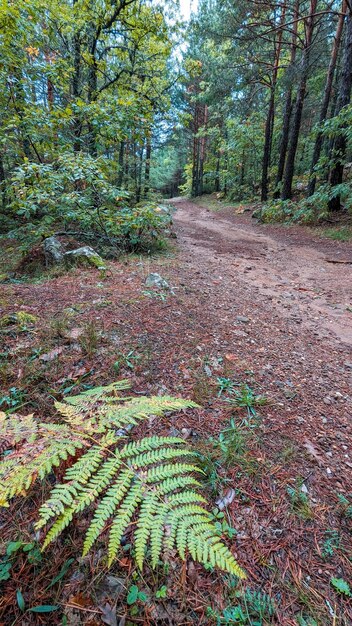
<point>269,125</point>
<point>326,99</point>
<point>121,163</point>
<point>288,106</point>
<point>148,154</point>
<point>75,88</point>
<point>340,143</point>
<point>296,124</point>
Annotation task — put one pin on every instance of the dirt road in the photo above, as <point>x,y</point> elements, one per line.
<point>292,271</point>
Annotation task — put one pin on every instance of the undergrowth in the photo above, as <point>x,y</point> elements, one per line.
<point>148,484</point>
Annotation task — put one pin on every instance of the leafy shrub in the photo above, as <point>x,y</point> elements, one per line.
<point>129,480</point>
<point>73,193</point>
<point>308,211</point>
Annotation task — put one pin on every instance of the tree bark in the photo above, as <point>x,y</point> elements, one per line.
<point>288,107</point>
<point>121,163</point>
<point>2,183</point>
<point>326,100</point>
<point>340,143</point>
<point>148,155</point>
<point>269,125</point>
<point>296,126</point>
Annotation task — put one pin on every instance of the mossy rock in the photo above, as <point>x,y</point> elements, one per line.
<point>21,319</point>
<point>84,257</point>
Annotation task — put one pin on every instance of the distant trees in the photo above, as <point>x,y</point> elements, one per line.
<point>88,78</point>
<point>272,71</point>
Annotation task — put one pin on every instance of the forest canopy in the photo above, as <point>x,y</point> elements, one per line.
<point>106,103</point>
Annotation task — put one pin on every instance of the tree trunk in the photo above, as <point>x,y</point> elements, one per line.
<point>92,91</point>
<point>121,163</point>
<point>296,126</point>
<point>217,172</point>
<point>326,100</point>
<point>2,183</point>
<point>147,165</point>
<point>340,143</point>
<point>269,125</point>
<point>288,106</point>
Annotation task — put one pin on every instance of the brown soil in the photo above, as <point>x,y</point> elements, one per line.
<point>258,304</point>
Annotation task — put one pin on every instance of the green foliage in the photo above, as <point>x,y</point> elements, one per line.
<point>231,442</point>
<point>308,211</point>
<point>247,399</point>
<point>13,549</point>
<point>88,203</point>
<point>330,544</point>
<point>299,500</point>
<point>224,385</point>
<point>341,586</point>
<point>134,595</point>
<point>148,483</point>
<point>253,608</point>
<point>13,400</point>
<point>344,233</point>
<point>346,505</point>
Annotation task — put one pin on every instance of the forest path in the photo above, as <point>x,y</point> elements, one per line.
<point>287,267</point>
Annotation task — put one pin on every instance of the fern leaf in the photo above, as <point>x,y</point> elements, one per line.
<point>122,520</point>
<point>107,507</point>
<point>98,393</point>
<point>169,470</point>
<point>148,484</point>
<point>144,527</point>
<point>157,533</point>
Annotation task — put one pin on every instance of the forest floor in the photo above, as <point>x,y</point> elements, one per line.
<point>258,309</point>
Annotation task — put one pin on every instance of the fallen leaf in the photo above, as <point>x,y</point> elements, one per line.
<point>108,615</point>
<point>223,502</point>
<point>80,600</point>
<point>312,451</point>
<point>52,355</point>
<point>74,333</point>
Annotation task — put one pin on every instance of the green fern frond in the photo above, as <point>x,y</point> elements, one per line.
<point>43,450</point>
<point>122,520</point>
<point>146,487</point>
<point>107,507</point>
<point>98,393</point>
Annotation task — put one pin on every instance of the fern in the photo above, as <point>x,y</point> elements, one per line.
<point>146,486</point>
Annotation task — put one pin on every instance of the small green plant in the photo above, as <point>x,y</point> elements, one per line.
<point>341,586</point>
<point>13,548</point>
<point>231,442</point>
<point>146,483</point>
<point>126,360</point>
<point>155,295</point>
<point>89,339</point>
<point>211,468</point>
<point>330,544</point>
<point>253,608</point>
<point>161,593</point>
<point>345,505</point>
<point>14,399</point>
<point>225,385</point>
<point>299,500</point>
<point>222,524</point>
<point>134,595</point>
<point>246,398</point>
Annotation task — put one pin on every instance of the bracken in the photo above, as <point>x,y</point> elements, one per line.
<point>148,483</point>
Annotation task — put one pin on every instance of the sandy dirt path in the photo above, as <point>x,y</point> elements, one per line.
<point>295,273</point>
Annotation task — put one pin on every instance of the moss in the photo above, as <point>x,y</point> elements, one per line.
<point>20,319</point>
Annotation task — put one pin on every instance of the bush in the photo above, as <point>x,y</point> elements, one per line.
<point>73,194</point>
